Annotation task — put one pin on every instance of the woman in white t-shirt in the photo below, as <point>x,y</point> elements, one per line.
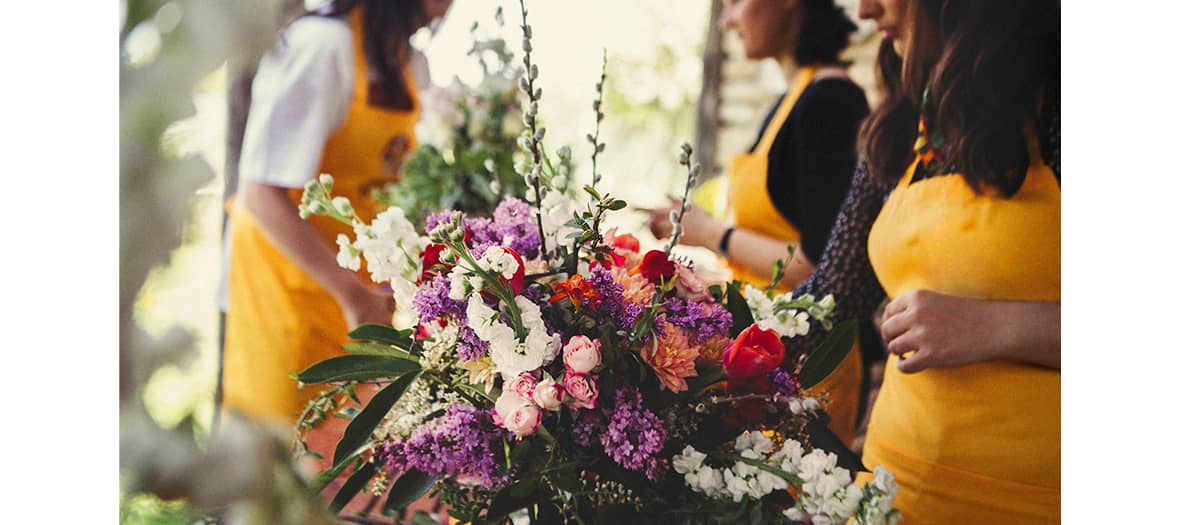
<point>336,95</point>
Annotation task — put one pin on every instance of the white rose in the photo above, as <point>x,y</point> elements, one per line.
<point>548,395</point>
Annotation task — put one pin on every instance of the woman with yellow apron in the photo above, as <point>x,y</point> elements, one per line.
<point>968,248</point>
<point>331,98</point>
<point>785,192</point>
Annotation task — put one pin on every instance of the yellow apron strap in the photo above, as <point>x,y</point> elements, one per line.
<point>798,85</point>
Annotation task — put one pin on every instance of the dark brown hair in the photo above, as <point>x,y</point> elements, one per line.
<point>386,28</point>
<point>986,65</point>
<point>823,33</point>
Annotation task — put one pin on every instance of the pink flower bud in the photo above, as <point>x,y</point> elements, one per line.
<point>522,385</point>
<point>583,389</point>
<point>582,354</point>
<point>548,394</point>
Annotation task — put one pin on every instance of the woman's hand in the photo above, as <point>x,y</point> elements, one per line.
<point>945,331</point>
<point>368,304</point>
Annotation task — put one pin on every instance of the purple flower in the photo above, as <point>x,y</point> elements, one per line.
<point>612,305</point>
<point>515,227</point>
<point>705,319</point>
<point>433,301</point>
<point>588,426</point>
<point>634,435</point>
<point>463,442</point>
<point>433,220</point>
<point>784,384</point>
<point>470,346</point>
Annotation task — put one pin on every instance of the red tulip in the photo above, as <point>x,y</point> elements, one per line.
<point>656,266</point>
<point>625,241</point>
<point>430,257</point>
<point>755,352</point>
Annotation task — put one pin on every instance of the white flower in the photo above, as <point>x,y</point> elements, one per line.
<point>556,210</point>
<point>883,480</point>
<point>511,356</point>
<point>815,464</point>
<point>789,455</point>
<point>756,441</point>
<point>390,246</point>
<point>347,256</point>
<point>497,260</point>
<point>688,460</point>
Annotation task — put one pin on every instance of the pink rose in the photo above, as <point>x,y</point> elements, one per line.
<point>548,394</point>
<point>583,389</point>
<point>582,354</point>
<point>522,385</point>
<point>689,285</point>
<point>519,415</point>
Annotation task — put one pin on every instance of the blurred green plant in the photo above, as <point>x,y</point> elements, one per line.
<point>167,473</point>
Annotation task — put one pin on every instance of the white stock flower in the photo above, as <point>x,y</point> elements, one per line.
<point>390,246</point>
<point>497,260</point>
<point>513,357</point>
<point>756,441</point>
<point>556,210</point>
<point>347,256</point>
<point>688,460</point>
<point>815,464</point>
<point>789,456</point>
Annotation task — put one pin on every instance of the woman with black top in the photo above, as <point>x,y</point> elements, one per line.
<point>785,192</point>
<point>959,224</point>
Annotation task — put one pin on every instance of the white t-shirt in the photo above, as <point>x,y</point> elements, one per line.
<point>300,95</point>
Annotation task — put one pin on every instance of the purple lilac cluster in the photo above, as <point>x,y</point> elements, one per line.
<point>511,225</point>
<point>588,426</point>
<point>470,347</point>
<point>433,301</point>
<point>635,435</point>
<point>784,384</point>
<point>462,442</point>
<point>613,305</point>
<point>705,319</point>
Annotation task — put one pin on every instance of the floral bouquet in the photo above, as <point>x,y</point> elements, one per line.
<point>558,371</point>
<point>468,141</point>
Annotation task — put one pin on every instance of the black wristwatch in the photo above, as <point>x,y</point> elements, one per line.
<point>723,246</point>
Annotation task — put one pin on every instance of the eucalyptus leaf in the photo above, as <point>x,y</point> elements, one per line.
<point>357,367</point>
<point>355,483</point>
<point>361,427</point>
<point>617,205</point>
<point>377,349</point>
<point>737,306</point>
<point>830,353</point>
<point>407,489</point>
<point>382,334</point>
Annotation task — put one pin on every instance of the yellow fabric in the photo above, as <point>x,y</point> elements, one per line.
<point>979,444</point>
<point>749,198</point>
<point>280,320</point>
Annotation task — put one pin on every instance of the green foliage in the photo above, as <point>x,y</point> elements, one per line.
<point>737,306</point>
<point>828,356</point>
<point>356,368</point>
<point>409,487</point>
<point>361,427</point>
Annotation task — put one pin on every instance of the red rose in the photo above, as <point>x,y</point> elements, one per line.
<point>656,267</point>
<point>755,352</point>
<point>626,241</point>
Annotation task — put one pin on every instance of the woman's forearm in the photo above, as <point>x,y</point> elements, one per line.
<point>1029,331</point>
<point>758,254</point>
<point>299,241</point>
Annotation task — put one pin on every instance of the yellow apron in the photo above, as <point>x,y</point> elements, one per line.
<point>753,210</point>
<point>979,443</point>
<point>280,320</point>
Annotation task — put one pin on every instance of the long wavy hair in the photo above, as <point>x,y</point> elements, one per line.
<point>987,65</point>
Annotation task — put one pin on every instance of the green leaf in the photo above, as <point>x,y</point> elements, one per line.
<point>764,466</point>
<point>828,356</point>
<point>355,483</point>
<point>737,306</point>
<point>593,192</point>
<point>324,477</point>
<point>356,367</point>
<point>347,413</point>
<point>382,334</point>
<point>376,349</point>
<point>510,499</point>
<point>361,428</point>
<point>422,518</point>
<point>822,437</point>
<point>616,205</point>
<point>407,489</point>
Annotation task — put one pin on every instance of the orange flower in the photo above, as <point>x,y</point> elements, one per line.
<point>636,288</point>
<point>713,348</point>
<point>578,291</point>
<point>673,360</point>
